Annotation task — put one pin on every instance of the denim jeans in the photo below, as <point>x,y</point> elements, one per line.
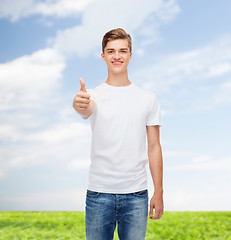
<point>104,210</point>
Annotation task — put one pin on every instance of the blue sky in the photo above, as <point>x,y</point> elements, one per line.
<point>181,52</point>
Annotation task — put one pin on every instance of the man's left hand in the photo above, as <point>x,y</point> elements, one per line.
<point>156,203</point>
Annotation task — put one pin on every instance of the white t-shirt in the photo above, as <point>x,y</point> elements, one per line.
<point>118,147</point>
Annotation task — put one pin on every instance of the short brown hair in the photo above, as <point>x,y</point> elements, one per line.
<point>115,34</point>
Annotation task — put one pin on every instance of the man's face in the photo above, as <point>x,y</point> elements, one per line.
<point>117,55</point>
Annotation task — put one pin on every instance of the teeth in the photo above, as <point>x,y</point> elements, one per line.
<point>117,63</point>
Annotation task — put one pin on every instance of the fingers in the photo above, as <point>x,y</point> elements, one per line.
<point>81,102</point>
<point>81,105</point>
<point>81,94</point>
<point>157,215</point>
<point>158,212</point>
<point>151,211</point>
<point>82,83</point>
<point>82,98</point>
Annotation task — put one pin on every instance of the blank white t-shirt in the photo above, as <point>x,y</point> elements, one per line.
<point>118,147</point>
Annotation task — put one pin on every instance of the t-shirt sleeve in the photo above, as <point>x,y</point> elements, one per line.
<point>154,114</point>
<point>91,92</point>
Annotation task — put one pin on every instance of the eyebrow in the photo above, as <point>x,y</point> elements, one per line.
<point>114,49</point>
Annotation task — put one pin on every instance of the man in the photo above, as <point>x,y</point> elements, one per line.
<point>121,115</point>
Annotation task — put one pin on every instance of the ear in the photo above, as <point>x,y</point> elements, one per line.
<point>130,56</point>
<point>102,56</point>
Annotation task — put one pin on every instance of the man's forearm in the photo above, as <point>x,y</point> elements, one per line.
<point>156,167</point>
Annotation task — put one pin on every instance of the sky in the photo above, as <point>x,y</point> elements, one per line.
<point>181,52</point>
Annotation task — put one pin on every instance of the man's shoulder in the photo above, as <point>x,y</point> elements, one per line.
<point>96,89</point>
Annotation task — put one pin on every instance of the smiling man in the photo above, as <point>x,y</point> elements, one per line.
<point>122,115</point>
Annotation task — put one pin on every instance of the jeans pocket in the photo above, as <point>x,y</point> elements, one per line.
<point>142,193</point>
<point>92,193</point>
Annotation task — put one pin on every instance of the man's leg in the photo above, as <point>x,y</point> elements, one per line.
<point>100,216</point>
<point>132,221</point>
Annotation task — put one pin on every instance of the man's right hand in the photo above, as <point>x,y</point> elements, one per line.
<point>82,102</point>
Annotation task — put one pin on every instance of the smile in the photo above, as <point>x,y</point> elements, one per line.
<point>117,63</point>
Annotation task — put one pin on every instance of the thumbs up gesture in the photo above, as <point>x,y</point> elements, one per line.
<point>82,103</point>
<point>82,83</point>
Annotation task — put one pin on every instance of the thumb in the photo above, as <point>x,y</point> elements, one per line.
<point>82,83</point>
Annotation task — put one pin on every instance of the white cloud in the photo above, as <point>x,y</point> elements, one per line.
<point>67,144</point>
<point>196,65</point>
<point>78,164</point>
<point>1,174</point>
<point>195,80</point>
<point>63,200</point>
<point>184,199</point>
<point>60,133</point>
<point>8,133</point>
<point>169,154</point>
<point>195,161</point>
<point>226,86</point>
<point>203,158</point>
<point>219,69</point>
<point>15,10</point>
<point>187,190</point>
<point>101,16</point>
<point>54,134</point>
<point>208,164</point>
<point>28,80</point>
<point>223,93</point>
<point>196,178</point>
<point>168,11</point>
<point>61,8</point>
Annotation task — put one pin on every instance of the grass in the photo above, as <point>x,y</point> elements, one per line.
<point>70,225</point>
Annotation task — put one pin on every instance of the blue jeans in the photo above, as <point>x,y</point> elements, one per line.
<point>104,210</point>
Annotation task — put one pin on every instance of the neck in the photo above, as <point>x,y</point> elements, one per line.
<point>118,80</point>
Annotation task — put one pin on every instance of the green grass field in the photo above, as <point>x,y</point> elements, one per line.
<point>70,225</point>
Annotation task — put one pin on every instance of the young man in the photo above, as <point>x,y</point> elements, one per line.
<point>121,115</point>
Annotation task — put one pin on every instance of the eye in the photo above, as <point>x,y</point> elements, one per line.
<point>110,52</point>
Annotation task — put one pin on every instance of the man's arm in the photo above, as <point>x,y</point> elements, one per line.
<point>156,169</point>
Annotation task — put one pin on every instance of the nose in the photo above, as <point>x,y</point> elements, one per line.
<point>117,55</point>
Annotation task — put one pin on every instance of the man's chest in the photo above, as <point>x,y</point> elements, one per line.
<point>122,109</point>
